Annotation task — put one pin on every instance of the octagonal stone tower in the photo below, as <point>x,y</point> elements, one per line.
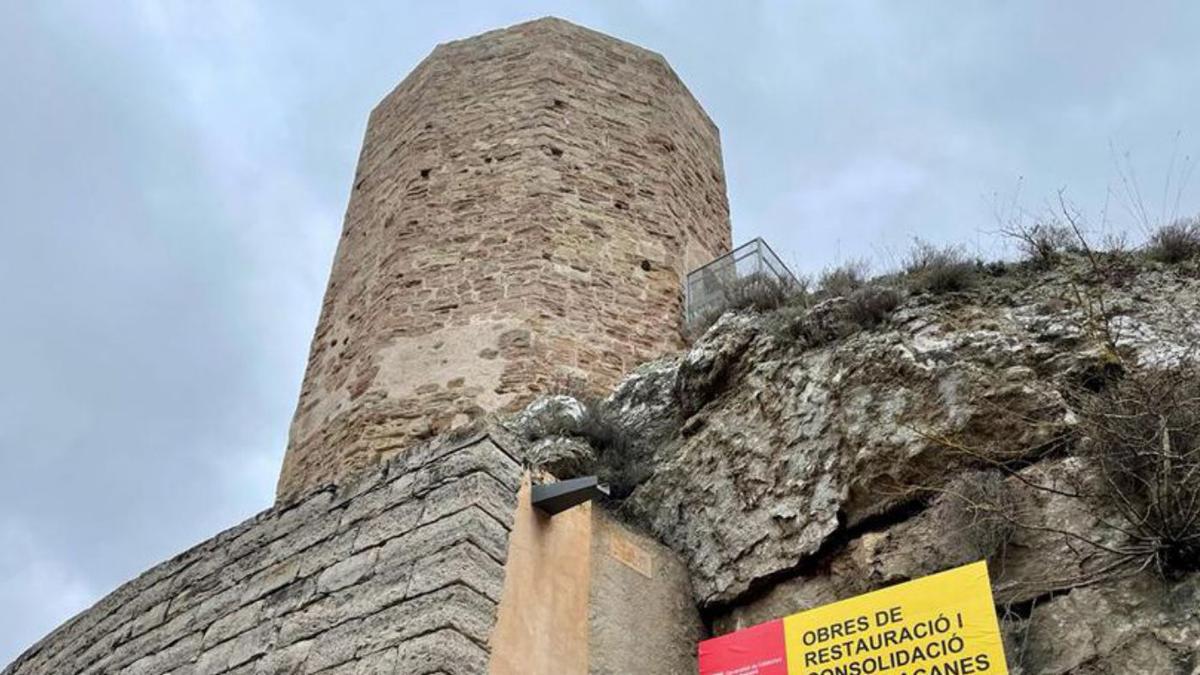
<point>526,206</point>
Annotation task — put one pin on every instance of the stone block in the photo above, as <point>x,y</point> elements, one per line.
<point>444,651</point>
<point>477,489</point>
<point>377,663</point>
<point>273,578</point>
<point>455,606</point>
<point>287,660</point>
<point>326,553</point>
<point>461,564</point>
<point>347,572</point>
<point>250,645</point>
<point>469,525</point>
<point>232,624</point>
<point>389,524</point>
<point>334,647</point>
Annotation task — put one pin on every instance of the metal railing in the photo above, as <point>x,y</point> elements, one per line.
<point>708,286</point>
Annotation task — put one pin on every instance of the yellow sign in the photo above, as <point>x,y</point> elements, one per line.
<point>944,624</point>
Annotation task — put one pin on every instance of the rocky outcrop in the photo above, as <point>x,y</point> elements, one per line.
<point>1136,625</point>
<point>1036,545</point>
<point>803,459</point>
<point>791,446</point>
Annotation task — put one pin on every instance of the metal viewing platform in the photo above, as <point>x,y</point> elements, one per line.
<point>708,287</point>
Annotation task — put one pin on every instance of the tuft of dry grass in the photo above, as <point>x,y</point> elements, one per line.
<point>841,281</point>
<point>1175,242</point>
<point>758,292</point>
<point>835,318</point>
<point>1043,242</point>
<point>870,306</point>
<point>618,460</point>
<point>1143,433</point>
<point>940,270</point>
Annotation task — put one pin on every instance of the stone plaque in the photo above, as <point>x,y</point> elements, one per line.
<point>630,554</point>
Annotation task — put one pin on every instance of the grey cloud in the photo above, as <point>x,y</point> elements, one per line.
<point>175,175</point>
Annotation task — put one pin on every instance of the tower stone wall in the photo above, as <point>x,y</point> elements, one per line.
<point>526,206</point>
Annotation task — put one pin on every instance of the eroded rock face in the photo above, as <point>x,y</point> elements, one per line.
<point>787,446</point>
<point>1135,625</point>
<point>793,466</point>
<point>1035,544</point>
<point>802,443</point>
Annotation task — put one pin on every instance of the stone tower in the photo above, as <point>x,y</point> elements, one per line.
<point>526,206</point>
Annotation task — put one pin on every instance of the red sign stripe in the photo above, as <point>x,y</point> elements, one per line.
<point>758,650</point>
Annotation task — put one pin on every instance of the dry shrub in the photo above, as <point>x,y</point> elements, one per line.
<point>841,281</point>
<point>835,318</point>
<point>618,459</point>
<point>1042,243</point>
<point>759,292</point>
<point>870,306</point>
<point>982,511</point>
<point>796,325</point>
<point>1014,630</point>
<point>1143,433</point>
<point>619,463</point>
<point>1175,242</point>
<point>940,270</point>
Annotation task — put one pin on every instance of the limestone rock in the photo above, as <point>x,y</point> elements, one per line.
<point>1035,545</point>
<point>562,456</point>
<point>646,404</point>
<point>1138,625</point>
<point>547,416</point>
<point>707,364</point>
<point>784,444</point>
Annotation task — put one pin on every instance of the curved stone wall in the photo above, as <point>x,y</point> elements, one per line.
<point>400,572</point>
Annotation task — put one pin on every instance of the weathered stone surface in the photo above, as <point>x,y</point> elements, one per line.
<point>562,456</point>
<point>788,443</point>
<point>454,606</point>
<point>640,620</point>
<point>519,195</point>
<point>1038,552</point>
<point>444,651</point>
<point>285,592</point>
<point>645,405</point>
<point>1138,625</point>
<point>547,416</point>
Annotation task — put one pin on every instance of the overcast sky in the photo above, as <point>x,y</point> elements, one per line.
<point>174,176</point>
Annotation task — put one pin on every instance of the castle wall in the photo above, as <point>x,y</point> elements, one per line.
<point>400,572</point>
<point>642,617</point>
<point>585,593</point>
<point>542,625</point>
<point>526,205</point>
